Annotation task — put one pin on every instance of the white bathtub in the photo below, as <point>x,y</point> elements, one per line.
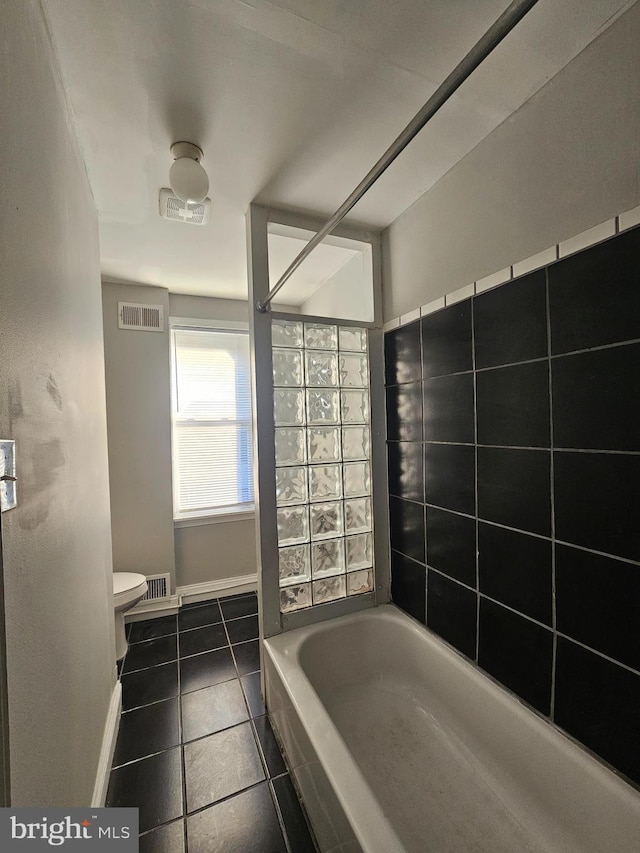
<point>398,744</point>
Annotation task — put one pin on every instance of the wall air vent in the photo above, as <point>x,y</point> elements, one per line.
<point>148,318</point>
<point>181,211</point>
<point>159,588</point>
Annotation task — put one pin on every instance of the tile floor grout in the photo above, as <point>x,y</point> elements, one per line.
<point>263,746</point>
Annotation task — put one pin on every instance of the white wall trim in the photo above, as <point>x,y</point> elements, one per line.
<point>151,609</point>
<point>578,243</point>
<point>213,589</point>
<point>108,748</point>
<point>216,518</point>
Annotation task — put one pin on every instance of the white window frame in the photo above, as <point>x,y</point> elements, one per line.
<point>219,515</point>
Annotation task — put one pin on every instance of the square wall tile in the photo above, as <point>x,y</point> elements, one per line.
<point>406,522</point>
<point>510,322</point>
<point>451,545</point>
<point>594,297</point>
<point>598,603</point>
<point>405,460</point>
<point>452,612</point>
<point>596,399</point>
<point>513,405</point>
<point>516,570</point>
<point>448,409</point>
<point>597,702</point>
<point>402,355</point>
<point>408,585</point>
<point>449,476</point>
<point>514,488</point>
<point>404,412</point>
<point>517,652</point>
<point>446,341</point>
<point>596,501</point>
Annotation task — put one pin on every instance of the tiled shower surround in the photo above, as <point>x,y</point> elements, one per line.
<point>514,475</point>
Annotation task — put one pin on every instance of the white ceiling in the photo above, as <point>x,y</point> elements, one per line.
<point>292,102</point>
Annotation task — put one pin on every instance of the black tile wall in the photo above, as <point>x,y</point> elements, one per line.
<point>408,585</point>
<point>516,651</point>
<point>598,603</point>
<point>594,296</point>
<point>597,702</point>
<point>510,323</point>
<point>447,341</point>
<point>451,544</point>
<point>514,488</point>
<point>449,476</point>
<point>405,470</point>
<point>406,523</point>
<point>597,498</point>
<point>448,408</point>
<point>452,612</point>
<point>404,412</point>
<point>592,407</point>
<point>513,405</point>
<point>402,355</point>
<point>516,569</point>
<point>531,488</point>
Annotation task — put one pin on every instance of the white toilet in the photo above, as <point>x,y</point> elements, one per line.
<point>128,589</point>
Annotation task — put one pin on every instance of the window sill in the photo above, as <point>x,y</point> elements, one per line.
<point>215,518</point>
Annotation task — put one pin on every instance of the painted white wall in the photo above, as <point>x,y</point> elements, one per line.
<point>566,161</point>
<point>137,366</point>
<point>57,546</point>
<point>348,294</point>
<point>214,552</point>
<point>206,308</point>
<point>137,370</point>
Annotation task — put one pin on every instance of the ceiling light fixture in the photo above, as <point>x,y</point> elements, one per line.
<point>187,178</point>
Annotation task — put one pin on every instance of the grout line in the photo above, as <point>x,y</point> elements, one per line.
<point>581,351</point>
<point>585,450</point>
<point>475,477</point>
<point>599,653</point>
<point>554,647</point>
<point>280,816</point>
<point>183,768</point>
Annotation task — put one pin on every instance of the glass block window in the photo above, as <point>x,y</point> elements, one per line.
<point>323,473</point>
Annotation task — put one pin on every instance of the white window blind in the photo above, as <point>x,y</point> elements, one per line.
<point>212,445</point>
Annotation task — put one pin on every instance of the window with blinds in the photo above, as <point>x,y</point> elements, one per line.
<point>212,444</point>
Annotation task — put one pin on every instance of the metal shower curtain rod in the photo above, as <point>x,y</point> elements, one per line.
<point>478,53</point>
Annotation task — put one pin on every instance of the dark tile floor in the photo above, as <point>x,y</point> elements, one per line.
<point>195,752</point>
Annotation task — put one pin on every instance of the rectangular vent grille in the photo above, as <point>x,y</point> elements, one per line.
<point>159,587</point>
<point>177,209</point>
<point>148,318</point>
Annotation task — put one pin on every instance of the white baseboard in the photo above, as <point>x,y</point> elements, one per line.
<point>108,748</point>
<point>191,594</point>
<point>214,589</point>
<point>151,609</point>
